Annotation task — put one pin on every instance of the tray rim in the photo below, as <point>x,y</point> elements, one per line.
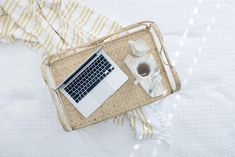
<point>48,63</point>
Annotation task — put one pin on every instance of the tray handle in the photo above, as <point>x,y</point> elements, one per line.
<point>172,68</point>
<point>101,40</point>
<point>98,41</point>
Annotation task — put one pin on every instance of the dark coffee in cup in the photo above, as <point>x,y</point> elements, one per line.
<point>143,69</point>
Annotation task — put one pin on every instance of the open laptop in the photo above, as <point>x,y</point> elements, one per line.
<point>92,83</point>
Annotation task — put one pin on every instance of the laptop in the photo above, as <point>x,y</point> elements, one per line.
<point>92,83</point>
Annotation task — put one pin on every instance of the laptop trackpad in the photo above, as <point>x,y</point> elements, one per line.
<point>102,92</point>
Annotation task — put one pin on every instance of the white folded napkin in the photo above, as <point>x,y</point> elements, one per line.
<point>150,81</point>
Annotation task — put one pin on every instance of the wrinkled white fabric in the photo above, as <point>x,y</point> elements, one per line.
<point>199,36</point>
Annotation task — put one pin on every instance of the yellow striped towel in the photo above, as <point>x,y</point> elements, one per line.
<point>48,26</point>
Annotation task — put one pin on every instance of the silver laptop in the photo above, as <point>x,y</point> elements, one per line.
<point>91,84</point>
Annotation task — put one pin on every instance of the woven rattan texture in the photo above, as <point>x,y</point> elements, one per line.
<point>128,97</point>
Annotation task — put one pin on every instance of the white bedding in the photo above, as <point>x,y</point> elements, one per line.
<point>199,36</point>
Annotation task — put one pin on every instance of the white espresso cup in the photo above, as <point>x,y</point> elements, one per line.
<point>143,69</point>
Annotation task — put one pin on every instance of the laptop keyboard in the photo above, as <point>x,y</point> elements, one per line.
<point>89,78</point>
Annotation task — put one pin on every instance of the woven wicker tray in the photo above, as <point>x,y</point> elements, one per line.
<point>57,67</point>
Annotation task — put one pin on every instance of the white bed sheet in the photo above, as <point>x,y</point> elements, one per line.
<point>199,36</point>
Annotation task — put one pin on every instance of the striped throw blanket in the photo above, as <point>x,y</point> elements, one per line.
<point>48,26</point>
